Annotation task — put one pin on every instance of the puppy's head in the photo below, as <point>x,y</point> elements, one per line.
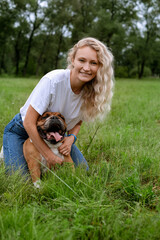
<point>51,127</point>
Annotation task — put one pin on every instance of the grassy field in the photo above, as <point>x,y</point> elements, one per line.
<point>118,198</point>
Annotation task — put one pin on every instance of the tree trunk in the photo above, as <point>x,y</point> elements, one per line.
<point>140,75</point>
<point>58,50</point>
<point>28,51</point>
<point>39,61</point>
<point>17,53</point>
<point>2,61</point>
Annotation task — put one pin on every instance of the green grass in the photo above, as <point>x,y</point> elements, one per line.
<point>118,198</point>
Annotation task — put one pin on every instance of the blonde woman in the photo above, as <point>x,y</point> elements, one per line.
<point>80,93</point>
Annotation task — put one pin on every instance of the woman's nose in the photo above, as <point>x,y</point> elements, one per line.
<point>86,66</point>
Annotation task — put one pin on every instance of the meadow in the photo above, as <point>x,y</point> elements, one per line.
<point>117,199</point>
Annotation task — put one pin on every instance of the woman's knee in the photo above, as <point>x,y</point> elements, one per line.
<point>13,140</point>
<point>78,157</point>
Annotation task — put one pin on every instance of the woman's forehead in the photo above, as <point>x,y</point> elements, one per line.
<point>87,52</point>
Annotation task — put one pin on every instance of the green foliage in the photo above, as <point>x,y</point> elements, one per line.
<point>134,72</point>
<point>121,72</point>
<point>36,35</point>
<point>118,198</point>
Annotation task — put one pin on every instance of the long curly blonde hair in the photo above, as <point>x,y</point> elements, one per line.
<point>97,93</point>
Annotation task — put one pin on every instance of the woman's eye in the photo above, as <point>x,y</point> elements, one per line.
<point>81,60</point>
<point>94,63</point>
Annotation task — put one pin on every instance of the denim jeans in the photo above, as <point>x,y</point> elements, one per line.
<point>13,139</point>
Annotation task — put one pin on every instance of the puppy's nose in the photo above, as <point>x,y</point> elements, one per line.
<point>54,117</point>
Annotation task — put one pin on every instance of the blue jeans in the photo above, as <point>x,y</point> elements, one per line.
<point>13,139</point>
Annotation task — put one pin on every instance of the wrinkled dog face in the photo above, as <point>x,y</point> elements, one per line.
<point>51,127</point>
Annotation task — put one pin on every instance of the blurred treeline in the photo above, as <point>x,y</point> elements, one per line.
<point>35,35</point>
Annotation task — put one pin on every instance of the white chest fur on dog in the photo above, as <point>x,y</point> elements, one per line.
<point>54,148</point>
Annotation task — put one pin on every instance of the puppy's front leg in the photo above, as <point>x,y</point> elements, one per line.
<point>33,159</point>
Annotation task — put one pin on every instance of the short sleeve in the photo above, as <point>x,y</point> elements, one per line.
<point>41,96</point>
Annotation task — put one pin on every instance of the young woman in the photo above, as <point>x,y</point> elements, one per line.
<point>80,93</point>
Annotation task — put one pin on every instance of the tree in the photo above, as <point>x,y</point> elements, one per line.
<point>83,15</point>
<point>21,29</point>
<point>112,25</point>
<point>150,34</point>
<point>143,39</point>
<point>36,34</point>
<point>52,42</point>
<point>36,16</point>
<point>7,19</point>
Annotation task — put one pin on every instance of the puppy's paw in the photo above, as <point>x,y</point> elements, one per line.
<point>37,184</point>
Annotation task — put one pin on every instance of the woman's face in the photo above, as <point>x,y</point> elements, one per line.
<point>85,64</point>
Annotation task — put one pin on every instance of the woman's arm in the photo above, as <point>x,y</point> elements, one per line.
<point>31,128</point>
<point>76,129</point>
<point>65,148</point>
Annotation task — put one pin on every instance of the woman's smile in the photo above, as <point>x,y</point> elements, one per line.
<point>86,74</point>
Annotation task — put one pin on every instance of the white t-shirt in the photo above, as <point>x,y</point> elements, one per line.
<point>53,93</point>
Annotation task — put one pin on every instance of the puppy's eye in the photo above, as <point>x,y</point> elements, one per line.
<point>44,117</point>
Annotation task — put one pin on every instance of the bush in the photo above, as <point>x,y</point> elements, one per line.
<point>121,72</point>
<point>134,72</point>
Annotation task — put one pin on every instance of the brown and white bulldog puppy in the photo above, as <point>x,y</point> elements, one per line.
<point>52,128</point>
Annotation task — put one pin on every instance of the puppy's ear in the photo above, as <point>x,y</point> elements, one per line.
<point>41,119</point>
<point>59,115</point>
<point>45,116</point>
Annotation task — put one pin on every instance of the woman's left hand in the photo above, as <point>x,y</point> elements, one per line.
<point>65,148</point>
